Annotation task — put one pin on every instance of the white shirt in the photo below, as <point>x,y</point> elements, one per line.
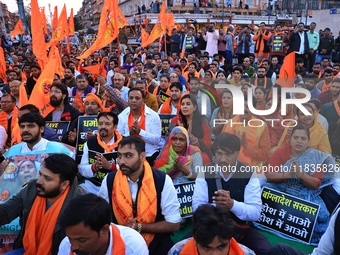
<point>302,43</point>
<point>169,202</point>
<point>40,146</point>
<point>249,210</point>
<point>152,133</point>
<point>326,243</point>
<point>3,137</point>
<point>125,92</point>
<point>134,243</point>
<point>109,76</point>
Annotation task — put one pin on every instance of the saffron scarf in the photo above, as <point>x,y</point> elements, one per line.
<point>40,225</point>
<point>146,200</point>
<point>4,118</point>
<point>110,147</point>
<point>190,248</point>
<point>325,87</point>
<point>337,107</point>
<point>118,247</point>
<point>167,107</point>
<point>264,84</point>
<point>141,122</point>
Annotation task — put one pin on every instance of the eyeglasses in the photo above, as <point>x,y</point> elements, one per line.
<point>117,79</point>
<point>6,102</point>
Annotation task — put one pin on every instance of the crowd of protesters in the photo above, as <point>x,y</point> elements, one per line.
<point>180,76</point>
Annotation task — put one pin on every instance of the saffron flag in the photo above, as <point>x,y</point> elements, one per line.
<point>71,23</point>
<point>40,96</point>
<point>38,37</point>
<point>43,21</point>
<point>170,22</point>
<point>78,103</point>
<point>18,29</point>
<point>94,70</point>
<point>2,65</point>
<point>23,99</point>
<point>108,28</point>
<point>55,23</point>
<point>62,29</point>
<point>122,21</point>
<point>102,69</point>
<point>157,31</point>
<point>162,14</point>
<point>287,72</point>
<point>145,37</point>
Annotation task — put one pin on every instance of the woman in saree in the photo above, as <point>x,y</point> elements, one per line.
<point>303,174</point>
<point>198,126</point>
<point>224,112</point>
<point>178,158</point>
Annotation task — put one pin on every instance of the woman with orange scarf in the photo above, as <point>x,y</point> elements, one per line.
<point>178,158</point>
<point>189,117</point>
<point>212,227</point>
<point>224,112</point>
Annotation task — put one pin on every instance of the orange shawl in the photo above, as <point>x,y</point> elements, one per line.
<point>337,107</point>
<point>325,86</point>
<point>4,118</point>
<point>146,200</point>
<point>109,147</point>
<point>118,247</point>
<point>167,107</point>
<point>265,82</point>
<point>190,248</point>
<point>40,225</point>
<point>141,122</point>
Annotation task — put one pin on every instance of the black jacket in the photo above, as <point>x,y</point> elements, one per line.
<point>295,42</point>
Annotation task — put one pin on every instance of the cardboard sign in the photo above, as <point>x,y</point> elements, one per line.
<point>164,96</point>
<point>84,124</point>
<point>166,120</point>
<point>288,215</point>
<point>60,127</point>
<point>71,99</point>
<point>277,43</point>
<point>110,156</point>
<point>184,196</point>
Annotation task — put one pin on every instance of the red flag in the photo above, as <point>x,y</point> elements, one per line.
<point>40,96</point>
<point>18,29</point>
<point>55,23</point>
<point>71,23</point>
<point>2,65</point>
<point>287,71</point>
<point>38,37</point>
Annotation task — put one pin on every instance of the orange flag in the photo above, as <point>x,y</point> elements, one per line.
<point>145,37</point>
<point>122,21</point>
<point>108,27</point>
<point>170,22</point>
<point>23,99</point>
<point>43,21</point>
<point>2,65</point>
<point>71,23</point>
<point>157,31</point>
<point>62,29</point>
<point>38,37</point>
<point>182,55</point>
<point>18,29</point>
<point>287,71</point>
<point>162,14</point>
<point>102,71</point>
<point>94,70</point>
<point>55,23</point>
<point>40,96</point>
<point>78,103</point>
